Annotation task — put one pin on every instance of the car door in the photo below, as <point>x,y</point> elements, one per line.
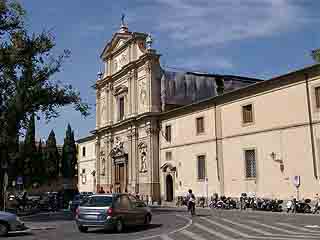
<point>135,211</point>
<point>124,210</point>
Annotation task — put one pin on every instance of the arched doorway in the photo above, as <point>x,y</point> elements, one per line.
<point>169,188</point>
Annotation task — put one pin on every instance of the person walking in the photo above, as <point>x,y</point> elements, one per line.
<point>317,203</point>
<point>191,201</point>
<point>294,205</point>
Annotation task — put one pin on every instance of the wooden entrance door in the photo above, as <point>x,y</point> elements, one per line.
<point>120,177</point>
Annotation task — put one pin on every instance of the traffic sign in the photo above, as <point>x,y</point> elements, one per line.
<point>19,180</point>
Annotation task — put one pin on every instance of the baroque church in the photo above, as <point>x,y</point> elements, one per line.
<point>132,95</point>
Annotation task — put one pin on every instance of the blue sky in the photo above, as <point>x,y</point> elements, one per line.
<point>255,38</point>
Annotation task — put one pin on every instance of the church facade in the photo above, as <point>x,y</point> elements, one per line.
<point>159,132</point>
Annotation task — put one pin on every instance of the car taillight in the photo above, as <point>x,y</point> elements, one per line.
<point>109,211</point>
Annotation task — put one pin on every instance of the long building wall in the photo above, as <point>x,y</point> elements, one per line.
<point>280,135</point>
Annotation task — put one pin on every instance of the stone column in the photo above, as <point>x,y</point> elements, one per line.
<point>109,160</point>
<point>134,92</point>
<point>110,104</point>
<point>134,158</point>
<point>147,68</point>
<point>98,173</point>
<point>129,136</point>
<point>130,99</point>
<point>98,109</point>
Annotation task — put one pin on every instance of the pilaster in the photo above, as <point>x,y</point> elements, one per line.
<point>97,145</point>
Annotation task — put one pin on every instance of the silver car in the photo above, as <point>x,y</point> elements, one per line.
<point>112,211</point>
<point>10,223</point>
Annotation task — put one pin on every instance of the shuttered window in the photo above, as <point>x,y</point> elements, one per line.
<point>250,161</point>
<point>168,133</point>
<point>317,95</point>
<point>201,167</point>
<point>200,125</point>
<point>247,113</point>
<point>168,156</point>
<point>121,108</point>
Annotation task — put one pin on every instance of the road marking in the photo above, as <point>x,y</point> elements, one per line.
<point>172,232</point>
<point>312,226</point>
<point>247,227</point>
<point>227,228</point>
<point>217,234</point>
<point>192,235</point>
<point>273,227</point>
<point>165,237</point>
<point>298,228</point>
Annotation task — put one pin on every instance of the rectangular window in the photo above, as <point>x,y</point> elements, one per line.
<point>201,167</point>
<point>168,156</point>
<point>200,125</point>
<point>83,151</point>
<point>168,133</point>
<point>317,95</point>
<point>250,161</point>
<point>247,113</point>
<point>121,108</point>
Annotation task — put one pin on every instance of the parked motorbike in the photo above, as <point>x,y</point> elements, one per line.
<point>303,206</point>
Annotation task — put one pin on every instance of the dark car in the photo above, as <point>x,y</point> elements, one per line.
<point>112,211</point>
<point>9,222</point>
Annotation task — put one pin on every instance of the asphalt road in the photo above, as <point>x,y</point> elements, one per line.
<point>178,225</point>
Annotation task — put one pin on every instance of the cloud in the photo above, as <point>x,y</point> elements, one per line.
<point>192,63</point>
<point>212,22</point>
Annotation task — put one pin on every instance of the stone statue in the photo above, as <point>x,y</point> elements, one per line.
<point>122,19</point>
<point>143,162</point>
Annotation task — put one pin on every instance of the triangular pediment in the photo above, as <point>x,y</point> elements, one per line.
<point>118,40</point>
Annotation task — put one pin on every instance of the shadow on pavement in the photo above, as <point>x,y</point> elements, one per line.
<point>11,235</point>
<point>128,229</point>
<point>49,217</point>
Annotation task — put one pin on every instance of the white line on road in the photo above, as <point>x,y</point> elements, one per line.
<point>273,227</point>
<point>192,235</point>
<point>298,228</point>
<point>227,228</point>
<point>247,227</point>
<point>217,234</point>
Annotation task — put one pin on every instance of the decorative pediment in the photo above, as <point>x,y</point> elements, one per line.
<point>168,166</point>
<point>118,40</point>
<point>120,89</point>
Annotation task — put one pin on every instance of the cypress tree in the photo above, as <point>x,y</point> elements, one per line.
<point>29,151</point>
<point>69,154</point>
<point>52,156</point>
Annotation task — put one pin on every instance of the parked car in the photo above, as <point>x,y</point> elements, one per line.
<point>9,222</point>
<point>112,211</point>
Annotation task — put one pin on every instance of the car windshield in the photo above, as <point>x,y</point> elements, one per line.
<point>97,201</point>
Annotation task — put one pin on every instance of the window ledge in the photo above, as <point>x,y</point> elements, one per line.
<point>250,178</point>
<point>247,124</point>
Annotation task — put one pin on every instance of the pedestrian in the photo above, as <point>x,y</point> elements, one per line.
<point>191,202</point>
<point>294,205</point>
<point>101,190</point>
<point>317,201</point>
<point>289,206</point>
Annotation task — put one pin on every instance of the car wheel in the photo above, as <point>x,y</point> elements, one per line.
<point>3,229</point>
<point>119,226</point>
<point>83,229</point>
<point>147,219</point>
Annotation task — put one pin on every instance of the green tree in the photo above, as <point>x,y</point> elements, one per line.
<point>52,156</point>
<point>29,151</point>
<point>316,55</point>
<point>69,154</point>
<point>39,175</point>
<point>27,65</point>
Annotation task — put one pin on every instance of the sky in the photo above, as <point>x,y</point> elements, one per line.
<point>253,38</point>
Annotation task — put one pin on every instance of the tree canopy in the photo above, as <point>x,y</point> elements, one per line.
<point>27,64</point>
